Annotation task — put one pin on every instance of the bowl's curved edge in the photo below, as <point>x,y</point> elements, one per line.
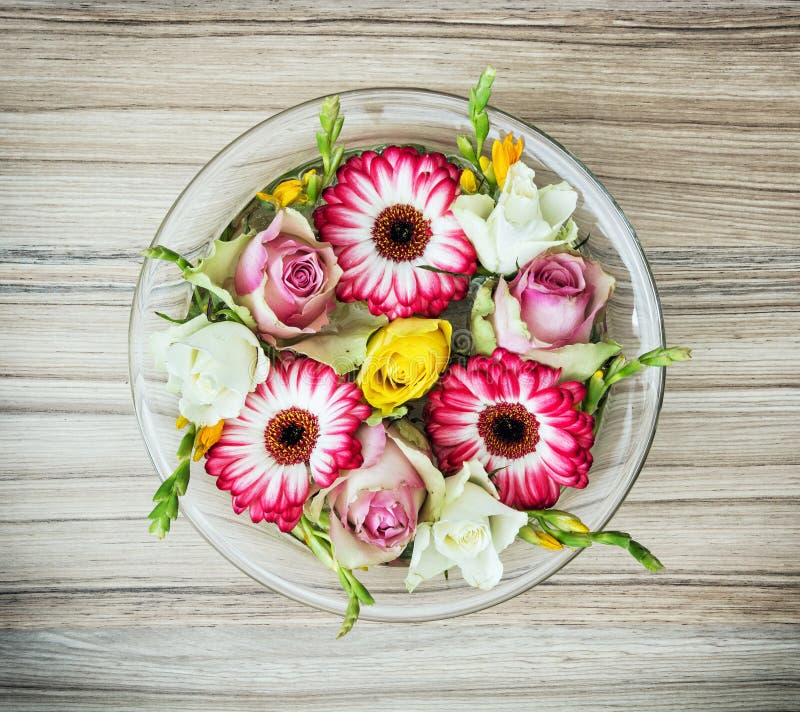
<point>284,587</point>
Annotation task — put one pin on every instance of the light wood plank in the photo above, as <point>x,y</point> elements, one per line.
<point>687,111</point>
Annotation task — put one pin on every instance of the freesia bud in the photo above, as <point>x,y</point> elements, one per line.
<point>468,182</point>
<point>565,521</point>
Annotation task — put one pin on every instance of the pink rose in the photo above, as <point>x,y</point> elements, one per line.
<point>287,279</point>
<point>374,508</point>
<point>556,296</point>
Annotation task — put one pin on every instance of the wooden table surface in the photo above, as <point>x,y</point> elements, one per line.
<point>688,112</point>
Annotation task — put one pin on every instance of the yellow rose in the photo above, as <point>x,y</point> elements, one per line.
<point>404,360</point>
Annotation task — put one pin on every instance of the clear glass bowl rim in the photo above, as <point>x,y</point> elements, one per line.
<point>298,593</point>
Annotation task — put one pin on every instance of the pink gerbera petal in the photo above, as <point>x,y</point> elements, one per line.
<point>518,421</point>
<point>388,217</point>
<point>300,422</point>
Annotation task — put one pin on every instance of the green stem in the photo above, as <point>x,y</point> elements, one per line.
<point>566,529</point>
<point>320,544</point>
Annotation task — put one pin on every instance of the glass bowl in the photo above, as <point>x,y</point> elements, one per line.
<point>372,117</point>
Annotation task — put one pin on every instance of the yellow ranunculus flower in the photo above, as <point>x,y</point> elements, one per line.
<point>404,360</point>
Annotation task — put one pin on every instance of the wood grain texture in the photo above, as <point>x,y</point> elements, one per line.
<point>688,111</point>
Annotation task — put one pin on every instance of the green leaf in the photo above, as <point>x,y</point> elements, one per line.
<point>481,127</point>
<point>431,268</point>
<point>595,390</point>
<point>171,509</point>
<point>160,510</point>
<point>359,590</point>
<point>615,365</point>
<point>576,361</point>
<point>217,270</point>
<point>482,307</point>
<point>473,104</point>
<point>483,90</point>
<point>187,443</point>
<point>159,252</point>
<point>377,416</point>
<point>182,477</point>
<point>329,111</point>
<point>166,497</point>
<point>165,490</point>
<point>170,319</point>
<point>350,616</point>
<point>343,580</point>
<point>466,149</point>
<point>342,344</point>
<point>337,129</point>
<point>336,159</point>
<point>323,144</point>
<point>160,526</point>
<point>319,548</point>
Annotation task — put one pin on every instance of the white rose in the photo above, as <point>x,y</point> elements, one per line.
<point>471,531</point>
<point>525,222</point>
<point>213,366</point>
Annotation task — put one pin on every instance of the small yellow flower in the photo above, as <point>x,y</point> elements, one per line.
<point>286,193</point>
<point>548,541</point>
<point>308,175</point>
<point>504,154</point>
<point>567,522</point>
<point>404,360</point>
<point>207,436</point>
<point>488,170</point>
<point>469,183</point>
<point>181,423</point>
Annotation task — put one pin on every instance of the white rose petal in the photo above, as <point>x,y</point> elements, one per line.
<point>426,561</point>
<point>471,531</point>
<point>525,222</point>
<point>213,366</point>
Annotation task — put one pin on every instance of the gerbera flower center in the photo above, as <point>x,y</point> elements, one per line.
<point>401,233</point>
<point>508,430</point>
<point>290,436</point>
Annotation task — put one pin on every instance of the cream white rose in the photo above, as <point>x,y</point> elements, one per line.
<point>524,223</point>
<point>213,366</point>
<point>472,529</point>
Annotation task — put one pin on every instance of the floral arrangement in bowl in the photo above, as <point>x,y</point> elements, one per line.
<point>323,379</point>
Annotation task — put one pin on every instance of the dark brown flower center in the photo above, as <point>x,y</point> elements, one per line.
<point>290,436</point>
<point>508,430</point>
<point>401,233</point>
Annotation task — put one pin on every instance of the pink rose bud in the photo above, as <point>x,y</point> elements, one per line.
<point>374,508</point>
<point>559,297</point>
<point>287,279</point>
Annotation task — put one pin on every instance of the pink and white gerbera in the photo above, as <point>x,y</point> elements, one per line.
<point>388,216</point>
<point>301,421</point>
<point>516,419</point>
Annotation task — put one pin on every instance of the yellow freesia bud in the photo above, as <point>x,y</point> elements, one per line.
<point>181,423</point>
<point>566,522</point>
<point>488,171</point>
<point>404,360</point>
<point>207,436</point>
<point>504,154</point>
<point>286,193</point>
<point>308,175</point>
<point>548,541</point>
<point>469,183</point>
